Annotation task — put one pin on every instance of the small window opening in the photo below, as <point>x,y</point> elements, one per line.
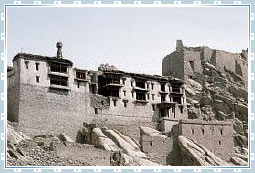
<point>181,109</point>
<point>124,92</point>
<point>131,83</point>
<point>114,102</point>
<point>96,110</point>
<point>78,84</point>
<point>193,131</point>
<point>190,77</point>
<point>203,131</point>
<point>153,96</point>
<point>102,102</point>
<point>152,86</point>
<point>163,98</point>
<point>153,107</point>
<point>26,62</point>
<point>37,66</point>
<point>219,142</point>
<point>163,87</point>
<point>125,104</point>
<point>148,85</point>
<point>192,64</point>
<point>148,96</point>
<point>150,143</point>
<point>132,94</point>
<point>124,81</point>
<point>221,132</point>
<point>37,79</point>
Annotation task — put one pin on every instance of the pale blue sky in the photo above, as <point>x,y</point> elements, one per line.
<point>132,39</point>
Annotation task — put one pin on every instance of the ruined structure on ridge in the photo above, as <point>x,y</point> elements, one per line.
<point>187,62</point>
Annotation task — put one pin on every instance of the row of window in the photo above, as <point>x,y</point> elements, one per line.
<point>36,65</point>
<point>203,131</point>
<point>125,105</point>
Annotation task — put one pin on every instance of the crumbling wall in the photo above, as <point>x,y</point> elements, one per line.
<point>82,152</point>
<point>192,63</point>
<point>216,136</point>
<point>172,65</point>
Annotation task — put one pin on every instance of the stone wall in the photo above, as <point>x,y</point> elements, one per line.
<point>45,110</point>
<point>82,152</point>
<point>172,65</point>
<point>216,136</point>
<point>188,62</point>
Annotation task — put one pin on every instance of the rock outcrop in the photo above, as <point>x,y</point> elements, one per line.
<point>194,154</point>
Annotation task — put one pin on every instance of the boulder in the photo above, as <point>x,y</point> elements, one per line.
<point>64,138</point>
<point>240,140</point>
<point>102,141</point>
<point>127,147</point>
<point>194,154</point>
<point>238,161</point>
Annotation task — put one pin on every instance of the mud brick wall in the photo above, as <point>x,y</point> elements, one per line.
<point>45,110</point>
<point>215,136</point>
<point>173,65</point>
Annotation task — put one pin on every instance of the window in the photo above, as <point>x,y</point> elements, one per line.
<point>26,63</point>
<point>57,80</point>
<point>152,86</point>
<point>96,110</point>
<point>78,84</point>
<point>125,104</point>
<point>124,92</point>
<point>37,66</point>
<point>219,142</point>
<point>150,143</point>
<point>124,81</point>
<point>181,109</point>
<point>131,83</point>
<point>153,96</point>
<point>193,131</point>
<point>56,67</point>
<point>80,75</point>
<point>148,85</point>
<point>191,64</point>
<point>163,87</point>
<point>153,107</point>
<point>163,98</point>
<point>37,79</point>
<point>114,102</point>
<point>221,132</point>
<point>140,84</point>
<point>203,131</point>
<point>148,96</point>
<point>190,77</point>
<point>132,94</point>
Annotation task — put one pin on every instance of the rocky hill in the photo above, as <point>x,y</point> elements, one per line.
<point>217,96</point>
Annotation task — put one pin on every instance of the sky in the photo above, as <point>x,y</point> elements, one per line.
<point>132,39</point>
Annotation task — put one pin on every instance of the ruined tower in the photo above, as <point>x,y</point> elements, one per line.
<point>179,45</point>
<point>59,46</point>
